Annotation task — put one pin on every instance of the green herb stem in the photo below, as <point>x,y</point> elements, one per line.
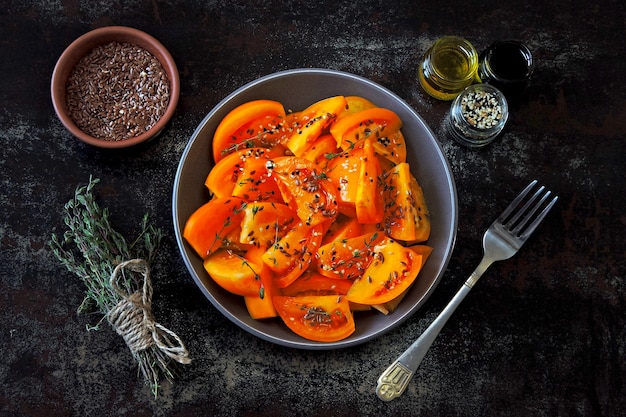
<point>91,249</point>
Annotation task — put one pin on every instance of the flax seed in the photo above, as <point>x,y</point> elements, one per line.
<point>117,91</point>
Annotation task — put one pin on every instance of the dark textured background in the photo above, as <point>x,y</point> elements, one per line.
<point>542,334</point>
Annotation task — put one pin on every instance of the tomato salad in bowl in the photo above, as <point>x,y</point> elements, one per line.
<point>313,218</point>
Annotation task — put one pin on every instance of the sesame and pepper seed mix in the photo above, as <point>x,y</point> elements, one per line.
<point>481,109</point>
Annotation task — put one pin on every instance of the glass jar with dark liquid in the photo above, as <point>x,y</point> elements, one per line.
<point>507,65</point>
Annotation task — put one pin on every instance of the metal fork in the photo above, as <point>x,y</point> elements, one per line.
<point>501,241</point>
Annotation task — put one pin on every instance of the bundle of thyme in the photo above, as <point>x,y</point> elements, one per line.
<point>116,274</point>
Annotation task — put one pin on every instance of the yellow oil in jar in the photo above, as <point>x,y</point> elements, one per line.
<point>448,67</point>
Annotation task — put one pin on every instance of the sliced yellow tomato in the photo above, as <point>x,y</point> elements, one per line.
<point>233,272</point>
<point>325,318</point>
<point>207,227</point>
<point>260,305</point>
<point>390,306</point>
<point>373,123</point>
<point>257,123</point>
<point>314,283</point>
<point>355,104</point>
<point>321,150</point>
<point>369,201</point>
<point>406,214</point>
<point>392,146</point>
<point>347,259</point>
<point>312,121</point>
<point>254,184</point>
<point>290,256</point>
<point>422,232</point>
<point>392,271</point>
<point>385,164</point>
<point>306,189</point>
<point>314,214</point>
<point>263,223</point>
<point>423,250</point>
<point>226,174</point>
<point>343,171</point>
<point>344,227</point>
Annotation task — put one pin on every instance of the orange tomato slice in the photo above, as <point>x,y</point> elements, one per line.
<point>406,215</point>
<point>321,150</point>
<point>314,283</point>
<point>422,231</point>
<point>392,147</point>
<point>392,271</point>
<point>235,168</point>
<point>423,250</point>
<point>207,228</point>
<point>263,223</point>
<point>260,305</point>
<point>390,306</point>
<point>374,122</point>
<point>257,123</point>
<point>369,202</point>
<point>312,121</point>
<point>347,259</point>
<point>306,189</point>
<point>343,171</point>
<point>325,318</point>
<point>291,255</point>
<point>355,104</point>
<point>234,272</point>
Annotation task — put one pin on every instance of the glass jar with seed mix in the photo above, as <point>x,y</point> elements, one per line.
<point>448,66</point>
<point>478,115</point>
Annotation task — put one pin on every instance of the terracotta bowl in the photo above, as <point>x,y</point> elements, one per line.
<point>84,45</point>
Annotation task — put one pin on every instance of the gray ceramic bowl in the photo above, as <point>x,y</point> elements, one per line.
<point>296,89</point>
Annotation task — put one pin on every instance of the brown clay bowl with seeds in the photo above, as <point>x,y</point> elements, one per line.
<point>107,60</point>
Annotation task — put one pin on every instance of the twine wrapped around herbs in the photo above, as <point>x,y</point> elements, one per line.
<point>133,320</point>
<point>118,284</point>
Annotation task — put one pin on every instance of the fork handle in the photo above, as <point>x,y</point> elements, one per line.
<point>395,379</point>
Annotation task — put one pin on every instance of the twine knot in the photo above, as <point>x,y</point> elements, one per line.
<point>132,316</point>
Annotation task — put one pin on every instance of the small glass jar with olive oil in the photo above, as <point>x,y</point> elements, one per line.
<point>448,66</point>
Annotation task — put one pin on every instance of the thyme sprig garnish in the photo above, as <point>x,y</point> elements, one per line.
<point>116,275</point>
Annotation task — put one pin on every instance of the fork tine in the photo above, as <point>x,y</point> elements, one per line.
<point>528,215</point>
<point>516,220</point>
<point>505,214</point>
<point>531,228</point>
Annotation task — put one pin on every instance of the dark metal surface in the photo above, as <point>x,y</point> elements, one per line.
<point>543,334</point>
